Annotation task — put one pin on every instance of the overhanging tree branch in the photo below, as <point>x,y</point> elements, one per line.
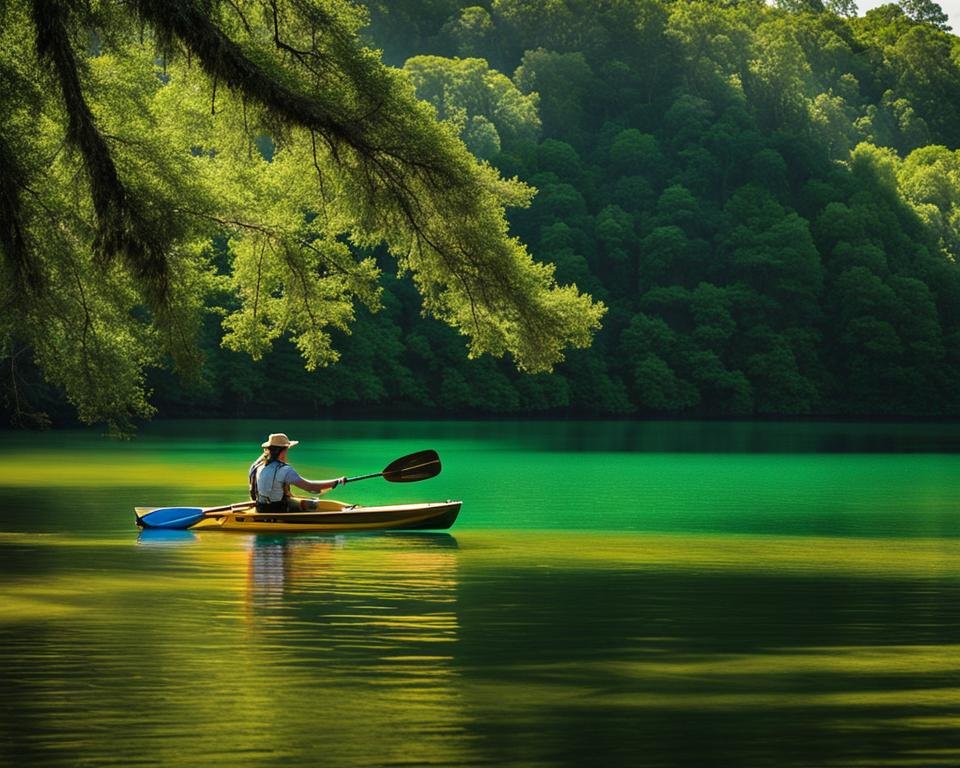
<point>121,229</point>
<point>225,61</point>
<point>24,269</point>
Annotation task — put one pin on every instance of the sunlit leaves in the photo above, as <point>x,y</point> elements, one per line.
<point>272,128</point>
<point>475,99</point>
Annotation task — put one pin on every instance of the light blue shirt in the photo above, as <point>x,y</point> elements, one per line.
<point>273,479</point>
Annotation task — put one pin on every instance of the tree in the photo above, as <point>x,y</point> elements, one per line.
<point>560,158</point>
<point>123,157</point>
<point>399,26</point>
<point>828,115</point>
<point>779,76</point>
<point>644,344</point>
<point>779,384</point>
<point>475,99</point>
<point>772,250</point>
<point>563,82</point>
<point>666,256</point>
<point>926,12</point>
<point>930,179</point>
<point>635,152</point>
<point>471,31</point>
<point>714,42</point>
<point>799,6</point>
<point>929,77</point>
<point>846,8</point>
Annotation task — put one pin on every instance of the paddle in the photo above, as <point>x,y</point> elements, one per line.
<point>184,517</point>
<point>421,465</point>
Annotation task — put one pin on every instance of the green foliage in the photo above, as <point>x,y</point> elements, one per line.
<point>563,82</point>
<point>925,11</point>
<point>766,200</point>
<point>137,151</point>
<point>471,32</point>
<point>482,104</point>
<point>842,7</point>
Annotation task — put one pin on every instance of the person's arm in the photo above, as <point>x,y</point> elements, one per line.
<point>316,486</point>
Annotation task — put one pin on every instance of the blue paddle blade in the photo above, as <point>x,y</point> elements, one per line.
<point>171,517</point>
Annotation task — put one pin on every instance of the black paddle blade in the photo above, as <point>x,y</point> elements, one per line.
<point>421,465</point>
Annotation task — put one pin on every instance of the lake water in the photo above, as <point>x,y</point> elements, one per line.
<point>613,594</point>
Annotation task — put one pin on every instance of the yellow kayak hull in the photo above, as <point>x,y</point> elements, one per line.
<point>333,517</point>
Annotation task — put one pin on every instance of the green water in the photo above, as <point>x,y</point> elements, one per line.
<point>666,594</point>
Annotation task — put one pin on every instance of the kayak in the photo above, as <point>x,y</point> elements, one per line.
<point>330,516</point>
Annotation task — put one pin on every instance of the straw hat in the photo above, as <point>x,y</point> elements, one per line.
<point>279,440</point>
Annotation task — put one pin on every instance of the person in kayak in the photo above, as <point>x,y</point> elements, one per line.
<point>270,478</point>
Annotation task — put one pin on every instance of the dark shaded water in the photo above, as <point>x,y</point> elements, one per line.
<point>786,596</point>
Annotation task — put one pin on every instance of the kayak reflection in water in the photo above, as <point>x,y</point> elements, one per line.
<point>270,478</point>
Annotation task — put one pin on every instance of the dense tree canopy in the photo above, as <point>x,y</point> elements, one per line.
<point>766,199</point>
<point>161,158</point>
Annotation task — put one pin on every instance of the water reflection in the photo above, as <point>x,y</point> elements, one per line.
<point>233,650</point>
<point>714,651</point>
<point>160,537</point>
<point>363,629</point>
<point>484,650</point>
<point>411,577</point>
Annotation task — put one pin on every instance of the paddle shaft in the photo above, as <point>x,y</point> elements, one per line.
<point>227,507</point>
<point>363,477</point>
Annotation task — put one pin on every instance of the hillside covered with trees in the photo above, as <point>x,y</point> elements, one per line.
<point>765,199</point>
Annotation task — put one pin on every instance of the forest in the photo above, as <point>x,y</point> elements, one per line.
<point>763,203</point>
